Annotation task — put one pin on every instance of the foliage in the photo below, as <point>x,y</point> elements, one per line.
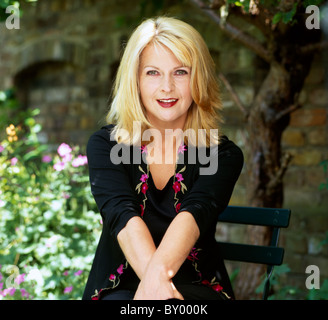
<point>280,292</point>
<point>3,5</point>
<point>276,10</point>
<point>324,185</point>
<point>48,221</point>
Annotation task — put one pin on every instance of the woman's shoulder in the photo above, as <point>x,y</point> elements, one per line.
<point>102,134</point>
<point>100,141</point>
<point>228,145</point>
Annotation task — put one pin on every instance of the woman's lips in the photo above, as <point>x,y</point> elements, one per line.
<point>167,103</point>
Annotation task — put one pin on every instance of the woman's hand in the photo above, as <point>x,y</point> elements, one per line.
<point>156,281</point>
<point>156,285</point>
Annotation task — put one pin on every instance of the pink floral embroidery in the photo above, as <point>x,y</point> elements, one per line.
<point>182,148</point>
<point>114,279</point>
<point>143,149</point>
<point>217,287</point>
<point>193,254</point>
<point>176,186</point>
<point>214,285</point>
<point>144,188</point>
<point>120,269</point>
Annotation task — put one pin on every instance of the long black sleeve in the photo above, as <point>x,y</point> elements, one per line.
<point>110,184</point>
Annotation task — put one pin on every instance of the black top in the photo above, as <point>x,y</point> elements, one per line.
<point>125,190</point>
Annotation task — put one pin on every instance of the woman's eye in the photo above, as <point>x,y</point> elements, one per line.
<point>152,72</point>
<point>181,72</point>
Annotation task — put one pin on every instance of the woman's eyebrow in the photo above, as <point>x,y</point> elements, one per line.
<point>178,67</point>
<point>151,67</point>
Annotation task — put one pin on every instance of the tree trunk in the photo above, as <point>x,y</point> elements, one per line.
<point>265,188</point>
<point>268,118</point>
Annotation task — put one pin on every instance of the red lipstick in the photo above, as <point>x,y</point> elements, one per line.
<point>167,103</point>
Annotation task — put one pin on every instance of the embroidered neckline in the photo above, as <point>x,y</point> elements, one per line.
<point>177,186</point>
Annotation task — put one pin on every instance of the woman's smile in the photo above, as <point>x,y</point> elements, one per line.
<point>167,103</point>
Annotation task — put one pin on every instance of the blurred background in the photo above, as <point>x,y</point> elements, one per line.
<point>58,60</point>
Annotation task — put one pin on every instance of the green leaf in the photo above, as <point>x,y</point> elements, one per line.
<point>277,17</point>
<point>288,16</point>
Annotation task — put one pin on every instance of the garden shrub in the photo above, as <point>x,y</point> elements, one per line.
<point>49,224</point>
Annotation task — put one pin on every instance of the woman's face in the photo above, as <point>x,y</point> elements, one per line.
<point>164,87</point>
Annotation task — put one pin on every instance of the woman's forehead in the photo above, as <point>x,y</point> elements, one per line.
<point>157,54</point>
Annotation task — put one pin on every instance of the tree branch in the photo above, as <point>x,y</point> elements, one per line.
<point>279,174</point>
<point>309,48</point>
<point>290,109</point>
<point>234,95</point>
<point>235,33</point>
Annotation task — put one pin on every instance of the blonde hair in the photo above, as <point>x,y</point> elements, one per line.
<point>190,49</point>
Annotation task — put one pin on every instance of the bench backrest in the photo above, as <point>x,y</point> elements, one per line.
<point>270,255</point>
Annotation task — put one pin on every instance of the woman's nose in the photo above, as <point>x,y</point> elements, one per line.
<point>167,84</point>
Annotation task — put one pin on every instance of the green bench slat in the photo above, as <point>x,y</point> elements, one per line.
<point>269,255</point>
<point>251,253</point>
<point>256,216</point>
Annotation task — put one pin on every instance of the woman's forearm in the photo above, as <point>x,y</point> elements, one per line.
<point>173,250</point>
<point>176,245</point>
<point>137,244</point>
<point>139,249</point>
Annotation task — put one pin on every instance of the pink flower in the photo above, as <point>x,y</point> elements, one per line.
<point>78,273</point>
<point>10,291</point>
<point>143,149</point>
<point>144,177</point>
<point>144,188</point>
<point>1,148</point>
<point>182,148</point>
<point>68,289</point>
<point>176,186</point>
<point>20,278</point>
<point>67,158</point>
<point>64,149</point>
<point>13,161</point>
<point>179,177</point>
<point>120,269</point>
<point>24,293</point>
<point>142,210</point>
<point>59,166</point>
<point>80,161</point>
<point>177,208</point>
<point>65,273</point>
<point>46,159</point>
<point>112,277</point>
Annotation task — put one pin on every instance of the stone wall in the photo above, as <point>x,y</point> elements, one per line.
<point>63,60</point>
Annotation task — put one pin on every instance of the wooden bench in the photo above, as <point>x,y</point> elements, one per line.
<point>271,255</point>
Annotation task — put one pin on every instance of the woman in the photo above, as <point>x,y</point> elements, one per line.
<point>159,214</point>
